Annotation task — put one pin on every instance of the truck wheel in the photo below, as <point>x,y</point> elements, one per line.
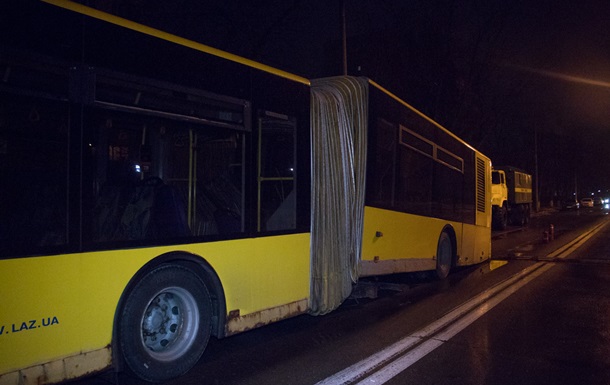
<point>524,215</point>
<point>165,324</point>
<point>518,216</point>
<point>500,218</point>
<point>444,256</point>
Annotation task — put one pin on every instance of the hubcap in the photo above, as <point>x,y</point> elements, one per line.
<point>170,323</point>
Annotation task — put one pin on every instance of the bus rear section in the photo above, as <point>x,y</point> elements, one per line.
<point>411,196</point>
<point>428,193</point>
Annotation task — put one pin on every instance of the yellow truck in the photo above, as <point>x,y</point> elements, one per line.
<point>511,197</point>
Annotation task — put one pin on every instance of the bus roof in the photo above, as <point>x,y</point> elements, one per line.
<point>399,100</point>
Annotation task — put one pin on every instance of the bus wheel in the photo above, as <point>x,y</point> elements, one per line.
<point>165,324</point>
<point>444,256</point>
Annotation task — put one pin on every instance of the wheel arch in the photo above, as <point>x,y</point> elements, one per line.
<point>192,262</point>
<point>453,237</point>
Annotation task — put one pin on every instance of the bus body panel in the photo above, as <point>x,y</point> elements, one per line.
<point>476,245</point>
<point>45,318</point>
<point>395,242</point>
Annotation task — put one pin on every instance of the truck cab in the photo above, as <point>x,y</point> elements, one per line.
<point>511,197</point>
<point>499,196</point>
<point>499,191</point>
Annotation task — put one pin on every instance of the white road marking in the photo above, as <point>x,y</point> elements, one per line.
<point>389,362</point>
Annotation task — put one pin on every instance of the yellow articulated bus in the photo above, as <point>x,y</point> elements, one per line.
<point>156,192</point>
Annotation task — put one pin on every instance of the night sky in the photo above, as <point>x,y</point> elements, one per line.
<point>513,78</point>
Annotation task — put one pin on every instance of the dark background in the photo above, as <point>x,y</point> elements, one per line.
<point>525,82</point>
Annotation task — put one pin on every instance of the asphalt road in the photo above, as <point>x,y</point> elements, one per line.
<point>553,330</point>
<point>537,314</point>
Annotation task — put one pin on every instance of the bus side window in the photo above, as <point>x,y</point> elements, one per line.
<point>137,199</point>
<point>276,206</point>
<point>219,190</point>
<point>33,173</point>
<point>381,177</point>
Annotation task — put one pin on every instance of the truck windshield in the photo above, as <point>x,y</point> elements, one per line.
<point>495,177</point>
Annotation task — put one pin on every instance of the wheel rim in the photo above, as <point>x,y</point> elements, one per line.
<point>170,324</point>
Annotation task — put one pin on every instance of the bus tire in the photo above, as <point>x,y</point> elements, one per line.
<point>165,324</point>
<point>444,256</point>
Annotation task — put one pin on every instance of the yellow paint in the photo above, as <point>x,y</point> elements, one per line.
<point>414,237</point>
<point>60,370</point>
<point>267,316</point>
<point>495,264</point>
<point>476,245</point>
<point>81,292</point>
<point>404,236</point>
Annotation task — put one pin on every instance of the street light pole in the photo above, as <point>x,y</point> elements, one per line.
<point>537,183</point>
<point>344,28</point>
